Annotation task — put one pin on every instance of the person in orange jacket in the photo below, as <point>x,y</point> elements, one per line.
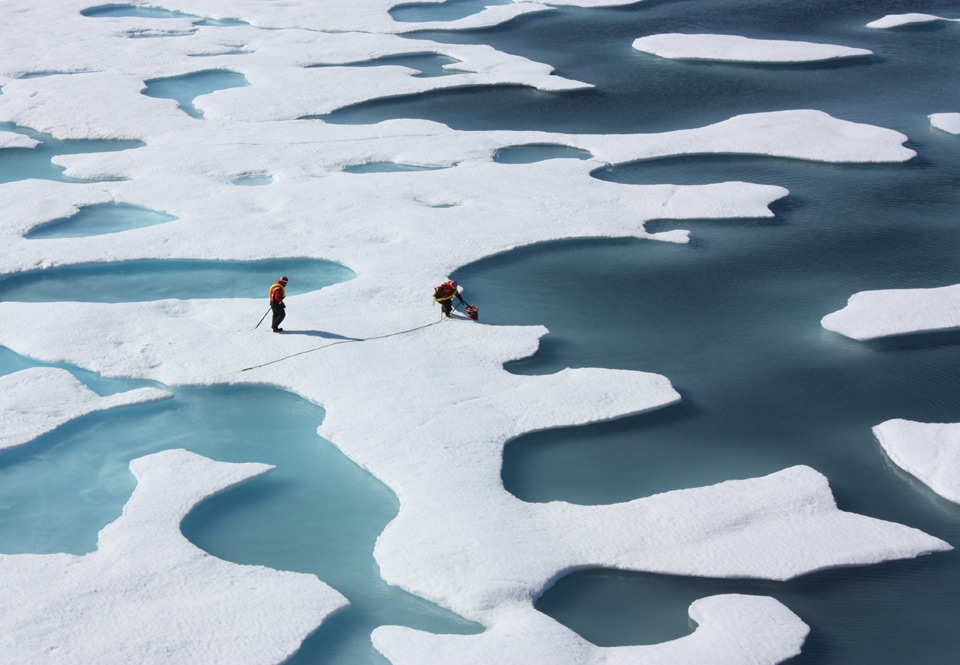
<point>277,293</point>
<point>444,294</point>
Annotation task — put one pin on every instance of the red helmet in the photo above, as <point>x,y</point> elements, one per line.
<point>284,280</point>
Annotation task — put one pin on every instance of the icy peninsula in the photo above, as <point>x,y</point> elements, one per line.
<point>364,348</point>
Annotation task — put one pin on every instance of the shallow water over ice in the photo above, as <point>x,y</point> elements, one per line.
<point>450,10</point>
<point>100,219</point>
<point>732,319</point>
<point>317,512</point>
<point>25,163</point>
<point>428,65</point>
<point>138,281</point>
<point>185,89</point>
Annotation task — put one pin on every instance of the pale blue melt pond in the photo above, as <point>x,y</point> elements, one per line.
<point>530,154</point>
<point>121,11</point>
<point>137,281</point>
<point>99,220</point>
<point>184,89</point>
<point>26,163</point>
<point>388,167</point>
<point>134,11</point>
<point>451,10</point>
<point>428,65</point>
<point>253,180</point>
<point>316,513</point>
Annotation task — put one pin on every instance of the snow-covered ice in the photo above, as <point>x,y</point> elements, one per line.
<point>888,312</point>
<point>147,595</point>
<point>947,122</point>
<point>733,48</point>
<point>929,451</point>
<point>900,20</point>
<point>394,405</point>
<point>731,629</point>
<point>15,140</point>
<point>38,400</point>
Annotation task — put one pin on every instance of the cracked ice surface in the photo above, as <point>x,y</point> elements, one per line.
<point>394,405</point>
<point>38,400</point>
<point>929,451</point>
<point>733,48</point>
<point>147,595</point>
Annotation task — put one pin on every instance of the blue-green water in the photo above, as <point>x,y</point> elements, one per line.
<point>137,281</point>
<point>387,167</point>
<point>253,180</point>
<point>100,219</point>
<point>186,88</point>
<point>26,163</point>
<point>451,10</point>
<point>530,154</point>
<point>134,11</point>
<point>429,65</point>
<point>732,319</point>
<point>316,513</point>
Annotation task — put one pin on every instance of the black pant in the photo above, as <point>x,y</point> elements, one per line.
<point>279,311</point>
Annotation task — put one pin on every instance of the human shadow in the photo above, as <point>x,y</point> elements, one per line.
<point>321,333</point>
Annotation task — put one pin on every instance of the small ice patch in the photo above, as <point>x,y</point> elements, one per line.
<point>900,20</point>
<point>947,122</point>
<point>38,400</point>
<point>884,313</point>
<point>732,48</point>
<point>929,451</point>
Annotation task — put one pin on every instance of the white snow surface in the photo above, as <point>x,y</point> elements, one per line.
<point>929,451</point>
<point>947,122</point>
<point>734,48</point>
<point>394,404</point>
<point>888,312</point>
<point>38,400</point>
<point>723,623</point>
<point>15,140</point>
<point>147,595</point>
<point>899,20</point>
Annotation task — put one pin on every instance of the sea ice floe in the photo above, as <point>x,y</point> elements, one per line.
<point>147,595</point>
<point>929,451</point>
<point>731,629</point>
<point>423,404</point>
<point>38,400</point>
<point>883,313</point>
<point>898,20</point>
<point>16,140</point>
<point>733,48</point>
<point>947,122</point>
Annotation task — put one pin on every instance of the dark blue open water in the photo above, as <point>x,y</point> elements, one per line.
<point>733,318</point>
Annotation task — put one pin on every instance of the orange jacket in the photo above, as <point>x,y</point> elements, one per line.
<point>277,293</point>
